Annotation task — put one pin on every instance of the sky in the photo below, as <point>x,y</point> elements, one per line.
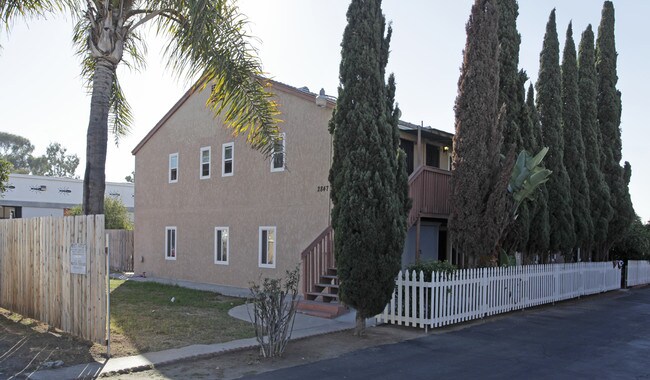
<point>42,95</point>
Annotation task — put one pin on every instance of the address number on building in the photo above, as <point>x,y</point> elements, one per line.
<point>321,189</point>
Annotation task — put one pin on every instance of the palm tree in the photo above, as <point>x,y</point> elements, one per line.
<point>206,39</point>
<point>207,42</point>
<point>10,9</point>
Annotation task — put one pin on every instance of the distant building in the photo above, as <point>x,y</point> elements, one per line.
<point>30,196</point>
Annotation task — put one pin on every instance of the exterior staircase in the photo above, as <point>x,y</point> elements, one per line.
<point>320,279</point>
<point>324,300</point>
<point>429,189</point>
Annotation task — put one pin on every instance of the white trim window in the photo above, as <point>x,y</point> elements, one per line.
<point>278,155</point>
<point>170,243</point>
<point>227,159</point>
<point>221,245</point>
<point>173,168</point>
<point>205,162</point>
<point>268,246</point>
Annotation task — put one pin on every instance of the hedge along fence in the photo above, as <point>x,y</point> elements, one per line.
<point>55,270</point>
<point>120,244</point>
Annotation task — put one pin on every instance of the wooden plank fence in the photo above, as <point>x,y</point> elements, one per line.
<point>475,293</point>
<point>42,261</point>
<point>638,272</point>
<point>120,244</point>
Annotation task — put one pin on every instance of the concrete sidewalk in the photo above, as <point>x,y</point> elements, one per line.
<point>304,326</point>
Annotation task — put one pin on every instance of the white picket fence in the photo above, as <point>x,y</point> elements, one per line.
<point>475,293</point>
<point>638,273</point>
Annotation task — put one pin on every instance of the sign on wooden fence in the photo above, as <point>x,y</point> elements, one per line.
<point>78,258</point>
<point>55,270</point>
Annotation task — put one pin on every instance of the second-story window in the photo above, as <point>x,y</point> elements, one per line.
<point>173,168</point>
<point>278,156</point>
<point>227,159</point>
<point>205,162</point>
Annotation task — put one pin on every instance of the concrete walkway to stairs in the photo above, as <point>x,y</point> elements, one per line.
<point>304,326</point>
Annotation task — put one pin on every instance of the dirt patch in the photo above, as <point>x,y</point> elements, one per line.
<point>241,363</point>
<point>27,345</point>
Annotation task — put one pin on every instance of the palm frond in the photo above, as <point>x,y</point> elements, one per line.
<point>211,43</point>
<point>12,9</point>
<point>120,118</point>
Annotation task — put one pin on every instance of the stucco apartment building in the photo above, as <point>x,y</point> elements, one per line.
<point>209,209</point>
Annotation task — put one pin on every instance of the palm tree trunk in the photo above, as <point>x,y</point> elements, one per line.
<point>97,138</point>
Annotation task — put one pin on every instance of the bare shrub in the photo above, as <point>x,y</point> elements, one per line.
<point>274,309</point>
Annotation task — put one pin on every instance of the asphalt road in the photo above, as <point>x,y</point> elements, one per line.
<point>599,337</point>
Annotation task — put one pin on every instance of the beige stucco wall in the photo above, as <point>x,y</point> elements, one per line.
<point>253,197</point>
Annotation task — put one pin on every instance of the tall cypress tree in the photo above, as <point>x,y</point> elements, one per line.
<point>526,116</point>
<point>609,119</point>
<point>509,41</point>
<point>574,149</point>
<point>369,189</point>
<point>479,205</point>
<point>539,231</point>
<point>512,95</point>
<point>599,198</point>
<point>549,106</point>
<point>519,233</point>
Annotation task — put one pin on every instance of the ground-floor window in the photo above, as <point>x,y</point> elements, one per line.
<point>221,248</point>
<point>267,247</point>
<point>170,243</point>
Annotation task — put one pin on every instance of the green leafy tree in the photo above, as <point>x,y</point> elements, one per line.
<point>17,150</point>
<point>539,231</point>
<point>599,197</point>
<point>5,169</point>
<point>609,119</point>
<point>574,149</point>
<point>549,105</point>
<point>480,207</point>
<point>55,162</point>
<point>368,178</point>
<point>130,178</point>
<point>635,244</point>
<point>116,215</point>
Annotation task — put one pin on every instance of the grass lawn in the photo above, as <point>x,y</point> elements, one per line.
<point>143,318</point>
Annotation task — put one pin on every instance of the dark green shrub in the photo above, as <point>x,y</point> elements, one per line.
<point>428,267</point>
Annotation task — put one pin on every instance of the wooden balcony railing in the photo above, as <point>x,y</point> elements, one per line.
<point>317,259</point>
<point>429,188</point>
